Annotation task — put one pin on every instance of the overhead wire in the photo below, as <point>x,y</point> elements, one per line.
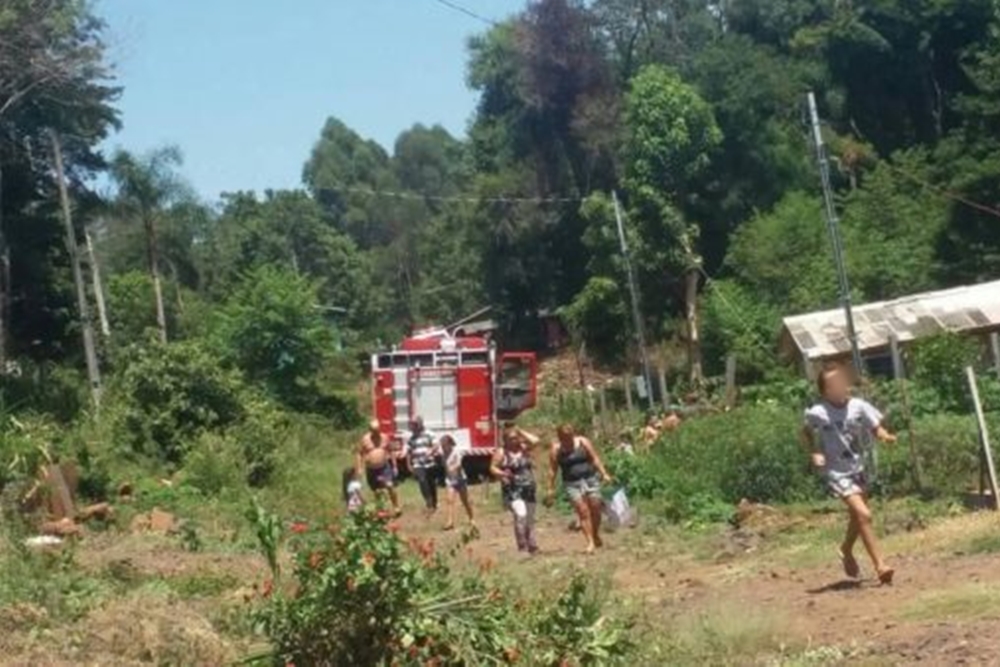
<point>740,317</point>
<point>468,12</point>
<point>464,198</point>
<point>941,192</point>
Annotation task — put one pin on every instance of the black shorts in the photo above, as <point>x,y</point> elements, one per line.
<point>525,492</point>
<point>381,478</point>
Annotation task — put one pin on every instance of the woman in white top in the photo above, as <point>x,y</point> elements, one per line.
<point>455,480</point>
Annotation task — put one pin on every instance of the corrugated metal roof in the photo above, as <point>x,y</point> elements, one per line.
<point>824,334</point>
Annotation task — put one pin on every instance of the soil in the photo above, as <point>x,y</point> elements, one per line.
<point>938,612</point>
<point>815,606</point>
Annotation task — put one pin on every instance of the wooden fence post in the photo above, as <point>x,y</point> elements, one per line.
<point>984,437</point>
<point>628,393</point>
<point>898,370</point>
<point>664,394</point>
<point>731,381</point>
<point>603,397</point>
<point>899,373</point>
<point>995,347</point>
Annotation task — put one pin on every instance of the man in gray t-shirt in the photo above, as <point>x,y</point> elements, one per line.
<point>834,432</point>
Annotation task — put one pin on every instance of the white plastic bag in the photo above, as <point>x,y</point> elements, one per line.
<point>618,509</point>
<point>520,508</point>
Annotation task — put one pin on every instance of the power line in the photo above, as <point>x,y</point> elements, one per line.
<point>735,310</point>
<point>941,192</point>
<point>468,12</point>
<point>467,199</point>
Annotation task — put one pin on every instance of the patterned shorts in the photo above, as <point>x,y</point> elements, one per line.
<point>589,487</point>
<point>848,485</point>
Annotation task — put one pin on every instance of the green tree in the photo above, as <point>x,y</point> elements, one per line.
<point>272,329</point>
<point>598,316</point>
<point>53,76</point>
<point>289,229</point>
<point>147,186</point>
<point>671,136</point>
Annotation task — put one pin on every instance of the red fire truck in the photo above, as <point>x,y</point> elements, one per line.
<point>461,385</point>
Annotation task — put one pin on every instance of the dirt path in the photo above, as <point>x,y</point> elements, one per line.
<point>944,608</point>
<point>762,595</point>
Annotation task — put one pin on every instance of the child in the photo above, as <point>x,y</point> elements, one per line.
<point>456,481</point>
<point>352,490</point>
<point>840,422</point>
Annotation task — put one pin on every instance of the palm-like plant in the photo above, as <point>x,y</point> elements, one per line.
<point>147,185</point>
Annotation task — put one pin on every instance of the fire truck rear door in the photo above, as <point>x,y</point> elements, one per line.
<point>434,396</point>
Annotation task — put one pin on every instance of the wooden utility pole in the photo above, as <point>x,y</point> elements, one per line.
<point>90,351</point>
<point>95,274</point>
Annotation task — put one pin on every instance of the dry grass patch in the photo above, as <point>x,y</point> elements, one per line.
<point>971,602</point>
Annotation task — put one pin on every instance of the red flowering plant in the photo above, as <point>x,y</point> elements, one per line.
<point>364,596</point>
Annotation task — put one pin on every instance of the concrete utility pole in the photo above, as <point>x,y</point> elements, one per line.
<point>636,312</point>
<point>86,326</point>
<point>833,226</point>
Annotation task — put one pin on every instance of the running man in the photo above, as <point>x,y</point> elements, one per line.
<point>838,422</point>
<point>376,462</point>
<point>582,472</point>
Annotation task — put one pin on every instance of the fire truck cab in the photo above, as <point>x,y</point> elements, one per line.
<point>460,385</point>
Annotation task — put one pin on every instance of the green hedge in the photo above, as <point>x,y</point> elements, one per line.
<point>699,472</point>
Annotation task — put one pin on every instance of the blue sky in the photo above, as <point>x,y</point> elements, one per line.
<point>244,86</point>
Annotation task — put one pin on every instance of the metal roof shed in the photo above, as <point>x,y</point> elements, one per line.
<point>822,336</point>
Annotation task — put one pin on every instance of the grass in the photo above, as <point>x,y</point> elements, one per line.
<point>981,544</point>
<point>972,602</point>
<point>720,636</point>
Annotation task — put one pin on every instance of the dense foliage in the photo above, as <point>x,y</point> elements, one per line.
<point>690,111</point>
<point>360,595</point>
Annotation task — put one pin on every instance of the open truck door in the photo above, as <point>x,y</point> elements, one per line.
<point>517,384</point>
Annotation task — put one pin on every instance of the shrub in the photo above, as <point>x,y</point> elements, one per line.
<point>598,316</point>
<point>173,399</point>
<point>46,387</point>
<point>939,366</point>
<point>361,596</point>
<point>699,471</point>
<point>169,394</point>
<point>272,330</point>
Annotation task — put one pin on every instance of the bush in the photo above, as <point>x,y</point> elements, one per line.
<point>700,471</point>
<point>173,398</point>
<point>939,366</point>
<point>361,596</point>
<point>46,388</point>
<point>598,316</point>
<point>169,394</point>
<point>272,330</point>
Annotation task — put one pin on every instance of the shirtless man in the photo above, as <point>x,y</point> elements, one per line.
<point>374,459</point>
<point>650,432</point>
